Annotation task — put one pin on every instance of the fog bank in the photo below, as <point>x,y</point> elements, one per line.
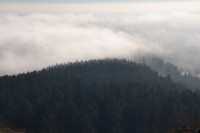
<point>35,39</point>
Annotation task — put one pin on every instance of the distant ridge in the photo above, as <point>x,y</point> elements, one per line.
<point>169,69</point>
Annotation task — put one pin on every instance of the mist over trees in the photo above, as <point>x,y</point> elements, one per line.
<point>189,79</point>
<point>97,96</point>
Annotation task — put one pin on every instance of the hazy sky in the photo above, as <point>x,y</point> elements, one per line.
<point>33,36</point>
<point>78,1</point>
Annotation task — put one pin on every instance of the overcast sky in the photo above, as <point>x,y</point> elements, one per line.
<point>78,1</point>
<point>33,36</point>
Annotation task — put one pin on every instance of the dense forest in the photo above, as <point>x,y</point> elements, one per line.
<point>96,96</point>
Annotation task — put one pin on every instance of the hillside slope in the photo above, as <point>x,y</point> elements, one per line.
<point>97,96</point>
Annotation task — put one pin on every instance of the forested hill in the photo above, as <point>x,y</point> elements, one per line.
<point>97,96</point>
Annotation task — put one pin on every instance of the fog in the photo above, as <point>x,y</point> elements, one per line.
<point>35,37</point>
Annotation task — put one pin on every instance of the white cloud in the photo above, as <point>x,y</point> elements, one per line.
<point>35,40</point>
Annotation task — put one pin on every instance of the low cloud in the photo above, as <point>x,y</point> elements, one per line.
<point>36,40</point>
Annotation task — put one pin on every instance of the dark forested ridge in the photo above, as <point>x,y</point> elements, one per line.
<point>98,96</point>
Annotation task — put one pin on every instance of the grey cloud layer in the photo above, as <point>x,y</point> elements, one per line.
<point>36,40</point>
